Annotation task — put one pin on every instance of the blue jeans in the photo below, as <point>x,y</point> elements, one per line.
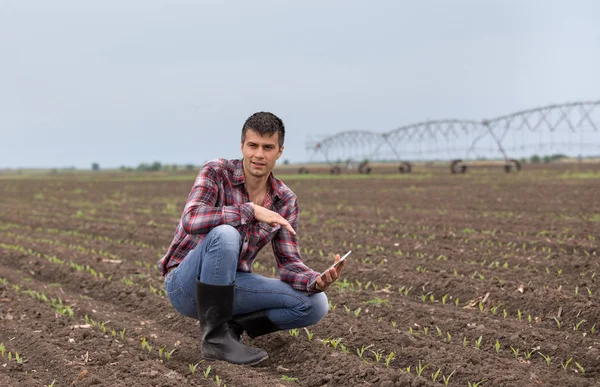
<point>214,261</point>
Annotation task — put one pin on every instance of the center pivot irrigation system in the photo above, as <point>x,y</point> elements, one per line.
<point>572,128</point>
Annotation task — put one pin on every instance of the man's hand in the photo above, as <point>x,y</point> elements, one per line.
<point>330,276</point>
<point>272,218</point>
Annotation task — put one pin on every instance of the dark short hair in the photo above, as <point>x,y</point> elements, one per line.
<point>264,123</point>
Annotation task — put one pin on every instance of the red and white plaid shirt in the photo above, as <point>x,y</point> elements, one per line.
<point>219,196</point>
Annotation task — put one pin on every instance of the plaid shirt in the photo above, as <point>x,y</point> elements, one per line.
<point>219,197</point>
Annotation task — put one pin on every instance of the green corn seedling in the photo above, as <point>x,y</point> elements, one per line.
<point>478,342</point>
<point>515,351</point>
<point>565,365</point>
<point>557,322</point>
<point>547,358</point>
<point>335,342</point>
<point>528,354</point>
<point>389,358</point>
<point>446,379</point>
<point>309,334</point>
<point>436,375</point>
<point>420,368</point>
<point>169,354</point>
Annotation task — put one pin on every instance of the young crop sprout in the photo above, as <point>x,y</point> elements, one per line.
<point>309,334</point>
<point>169,354</point>
<point>497,346</point>
<point>566,363</point>
<point>357,312</point>
<point>389,358</point>
<point>580,367</point>
<point>378,355</point>
<point>478,342</point>
<point>439,331</point>
<point>2,349</point>
<point>193,367</point>
<point>557,322</point>
<point>286,378</point>
<point>335,342</point>
<point>528,354</point>
<point>476,384</point>
<point>331,305</point>
<point>515,351</point>
<point>294,332</point>
<point>362,349</point>
<point>218,380</point>
<point>579,324</point>
<point>448,337</point>
<point>547,358</point>
<point>464,342</point>
<point>421,368</point>
<point>122,334</point>
<point>446,379</point>
<point>206,372</point>
<point>504,313</point>
<point>436,375</point>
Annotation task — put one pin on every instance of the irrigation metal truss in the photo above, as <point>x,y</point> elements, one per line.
<point>572,129</point>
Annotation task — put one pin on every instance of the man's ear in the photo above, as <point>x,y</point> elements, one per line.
<point>280,152</point>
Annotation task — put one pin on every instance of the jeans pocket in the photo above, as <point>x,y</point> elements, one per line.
<point>180,299</point>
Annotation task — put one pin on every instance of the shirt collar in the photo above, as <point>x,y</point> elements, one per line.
<point>239,178</point>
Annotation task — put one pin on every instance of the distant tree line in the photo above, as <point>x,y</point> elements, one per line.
<point>158,166</point>
<point>536,159</point>
<point>152,167</point>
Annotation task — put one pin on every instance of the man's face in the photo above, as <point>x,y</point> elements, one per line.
<point>260,153</point>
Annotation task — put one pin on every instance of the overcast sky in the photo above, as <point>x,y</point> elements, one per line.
<point>125,82</point>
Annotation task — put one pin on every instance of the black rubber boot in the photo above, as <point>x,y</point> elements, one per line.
<point>219,342</point>
<point>255,323</point>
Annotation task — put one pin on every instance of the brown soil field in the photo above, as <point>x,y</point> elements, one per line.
<point>487,278</point>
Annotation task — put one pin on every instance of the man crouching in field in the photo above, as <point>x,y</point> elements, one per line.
<point>233,210</point>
